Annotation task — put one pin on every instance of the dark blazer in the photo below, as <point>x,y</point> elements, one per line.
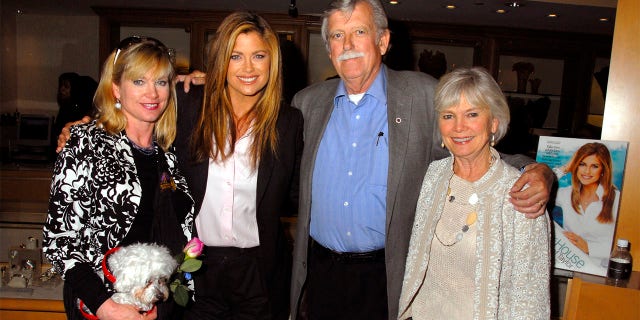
<point>277,189</point>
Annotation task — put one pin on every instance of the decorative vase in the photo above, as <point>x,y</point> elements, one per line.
<point>535,85</point>
<point>523,71</point>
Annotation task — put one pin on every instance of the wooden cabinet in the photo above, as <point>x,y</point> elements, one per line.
<point>41,301</point>
<point>590,297</point>
<point>31,309</point>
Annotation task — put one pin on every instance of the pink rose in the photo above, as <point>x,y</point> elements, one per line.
<point>193,248</point>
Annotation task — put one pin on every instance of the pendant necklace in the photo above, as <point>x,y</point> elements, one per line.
<point>470,219</point>
<point>453,205</point>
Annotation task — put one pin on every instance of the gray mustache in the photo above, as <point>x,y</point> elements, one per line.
<point>350,55</point>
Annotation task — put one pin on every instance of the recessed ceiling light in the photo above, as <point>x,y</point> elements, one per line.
<point>552,15</point>
<point>501,11</point>
<point>394,2</point>
<point>604,19</point>
<point>450,6</point>
<point>514,4</point>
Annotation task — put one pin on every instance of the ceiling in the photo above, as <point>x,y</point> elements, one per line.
<point>580,16</point>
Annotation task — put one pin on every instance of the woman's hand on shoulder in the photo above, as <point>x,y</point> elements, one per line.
<point>113,310</point>
<point>65,134</point>
<point>196,78</point>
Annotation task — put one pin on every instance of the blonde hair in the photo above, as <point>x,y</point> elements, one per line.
<point>132,60</point>
<point>215,133</point>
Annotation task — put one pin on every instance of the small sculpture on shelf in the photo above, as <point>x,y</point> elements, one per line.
<point>535,85</point>
<point>25,263</point>
<point>523,71</point>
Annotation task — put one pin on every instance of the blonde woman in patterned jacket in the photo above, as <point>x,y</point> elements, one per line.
<point>471,255</point>
<point>115,182</point>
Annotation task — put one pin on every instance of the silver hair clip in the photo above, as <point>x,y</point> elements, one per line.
<point>116,57</point>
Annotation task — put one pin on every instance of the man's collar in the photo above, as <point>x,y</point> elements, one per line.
<point>378,88</point>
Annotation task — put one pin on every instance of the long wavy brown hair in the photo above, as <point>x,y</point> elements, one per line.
<point>602,154</point>
<point>215,133</point>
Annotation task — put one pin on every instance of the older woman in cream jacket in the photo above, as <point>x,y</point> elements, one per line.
<point>472,256</point>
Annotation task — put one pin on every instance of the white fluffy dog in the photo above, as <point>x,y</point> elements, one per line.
<point>141,273</point>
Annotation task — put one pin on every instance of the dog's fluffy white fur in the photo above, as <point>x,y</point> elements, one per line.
<point>142,272</point>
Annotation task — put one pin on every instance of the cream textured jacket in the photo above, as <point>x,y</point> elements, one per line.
<point>513,252</point>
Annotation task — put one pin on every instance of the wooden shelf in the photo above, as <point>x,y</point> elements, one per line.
<point>31,309</point>
<point>552,97</point>
<point>591,297</point>
<point>36,303</point>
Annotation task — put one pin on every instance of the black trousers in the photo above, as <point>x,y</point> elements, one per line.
<point>229,285</point>
<point>346,286</point>
<point>70,305</point>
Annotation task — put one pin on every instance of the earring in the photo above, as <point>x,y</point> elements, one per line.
<point>442,144</point>
<point>118,105</point>
<point>493,139</point>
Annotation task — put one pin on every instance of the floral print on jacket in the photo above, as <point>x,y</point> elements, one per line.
<point>94,197</point>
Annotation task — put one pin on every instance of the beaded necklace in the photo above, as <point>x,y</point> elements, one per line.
<point>470,218</point>
<point>148,151</point>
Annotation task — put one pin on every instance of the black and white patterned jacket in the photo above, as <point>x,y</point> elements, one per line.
<point>94,197</point>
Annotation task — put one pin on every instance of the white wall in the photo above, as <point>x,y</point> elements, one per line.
<point>174,38</point>
<point>456,56</point>
<point>47,46</point>
<point>320,67</point>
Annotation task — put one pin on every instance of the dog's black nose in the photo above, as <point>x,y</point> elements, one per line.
<point>160,296</point>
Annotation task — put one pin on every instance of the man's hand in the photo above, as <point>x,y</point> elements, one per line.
<point>532,200</point>
<point>112,310</point>
<point>196,77</point>
<point>65,134</point>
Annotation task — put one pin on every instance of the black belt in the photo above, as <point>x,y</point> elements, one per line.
<point>348,257</point>
<point>209,252</point>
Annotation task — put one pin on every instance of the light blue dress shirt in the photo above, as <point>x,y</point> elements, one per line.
<point>349,186</point>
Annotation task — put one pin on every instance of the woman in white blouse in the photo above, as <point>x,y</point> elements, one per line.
<point>589,205</point>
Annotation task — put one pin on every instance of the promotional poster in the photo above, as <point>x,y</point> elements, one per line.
<point>590,174</point>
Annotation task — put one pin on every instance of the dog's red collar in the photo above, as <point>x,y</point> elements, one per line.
<point>85,314</point>
<point>105,269</point>
<point>108,275</point>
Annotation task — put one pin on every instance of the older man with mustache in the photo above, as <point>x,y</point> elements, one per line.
<point>369,138</point>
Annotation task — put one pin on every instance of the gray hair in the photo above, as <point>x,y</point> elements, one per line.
<point>479,89</point>
<point>347,7</point>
